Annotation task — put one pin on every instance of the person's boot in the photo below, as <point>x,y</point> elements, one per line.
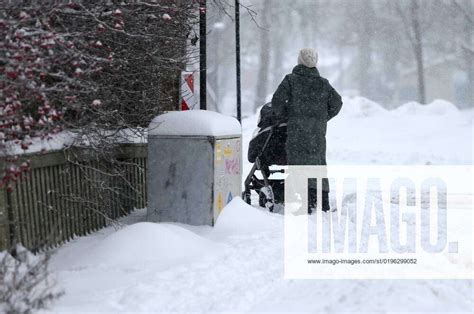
<point>325,206</point>
<point>311,200</point>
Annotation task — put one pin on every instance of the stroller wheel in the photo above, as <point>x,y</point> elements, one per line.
<point>266,198</point>
<point>261,199</point>
<point>246,197</point>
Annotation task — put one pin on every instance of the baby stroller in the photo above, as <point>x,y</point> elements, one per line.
<point>267,148</point>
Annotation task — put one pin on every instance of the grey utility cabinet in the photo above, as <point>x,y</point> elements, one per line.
<point>194,166</point>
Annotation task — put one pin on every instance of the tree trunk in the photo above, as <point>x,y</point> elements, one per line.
<point>418,50</point>
<point>277,61</point>
<point>214,39</point>
<point>341,68</point>
<point>264,62</point>
<point>420,74</point>
<point>364,48</point>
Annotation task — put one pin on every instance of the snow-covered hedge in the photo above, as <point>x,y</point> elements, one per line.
<point>26,284</point>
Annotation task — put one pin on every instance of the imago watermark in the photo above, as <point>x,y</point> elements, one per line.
<point>390,222</point>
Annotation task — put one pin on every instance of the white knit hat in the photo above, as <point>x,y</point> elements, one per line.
<point>308,57</point>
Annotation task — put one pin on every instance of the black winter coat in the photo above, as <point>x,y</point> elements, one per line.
<point>308,102</point>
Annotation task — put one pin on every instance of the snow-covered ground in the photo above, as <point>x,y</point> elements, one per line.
<point>238,264</point>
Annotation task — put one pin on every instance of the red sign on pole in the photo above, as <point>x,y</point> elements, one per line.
<point>188,101</point>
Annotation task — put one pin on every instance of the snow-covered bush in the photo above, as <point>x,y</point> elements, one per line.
<point>92,67</point>
<point>26,284</point>
<point>37,64</point>
<point>43,73</point>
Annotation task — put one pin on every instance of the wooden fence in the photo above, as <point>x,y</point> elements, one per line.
<point>69,193</point>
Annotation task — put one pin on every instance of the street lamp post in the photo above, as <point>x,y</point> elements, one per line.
<point>202,55</point>
<point>237,55</point>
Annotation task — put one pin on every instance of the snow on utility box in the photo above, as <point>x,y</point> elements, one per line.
<point>194,166</point>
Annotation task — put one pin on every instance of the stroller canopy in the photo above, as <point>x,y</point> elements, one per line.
<point>268,117</point>
<point>273,129</point>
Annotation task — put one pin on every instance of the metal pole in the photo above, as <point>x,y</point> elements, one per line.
<point>202,55</point>
<point>237,55</point>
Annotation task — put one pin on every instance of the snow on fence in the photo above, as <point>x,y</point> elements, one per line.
<point>56,201</point>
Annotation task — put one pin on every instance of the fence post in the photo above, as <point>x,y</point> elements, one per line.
<point>4,223</point>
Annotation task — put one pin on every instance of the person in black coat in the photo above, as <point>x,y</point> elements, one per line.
<point>308,102</point>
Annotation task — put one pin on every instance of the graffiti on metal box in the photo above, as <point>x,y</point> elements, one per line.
<point>232,166</point>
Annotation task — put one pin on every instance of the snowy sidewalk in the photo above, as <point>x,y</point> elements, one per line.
<point>238,265</point>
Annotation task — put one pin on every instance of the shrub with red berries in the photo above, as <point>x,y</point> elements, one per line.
<point>87,66</point>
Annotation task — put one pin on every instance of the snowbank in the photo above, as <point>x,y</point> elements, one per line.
<point>437,107</point>
<point>194,122</point>
<point>239,217</point>
<point>163,244</point>
<point>412,134</point>
<point>361,107</point>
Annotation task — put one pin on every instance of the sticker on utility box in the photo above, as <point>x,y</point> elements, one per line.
<point>227,172</point>
<point>218,153</point>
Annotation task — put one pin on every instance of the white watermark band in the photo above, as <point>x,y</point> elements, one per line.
<point>392,222</point>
